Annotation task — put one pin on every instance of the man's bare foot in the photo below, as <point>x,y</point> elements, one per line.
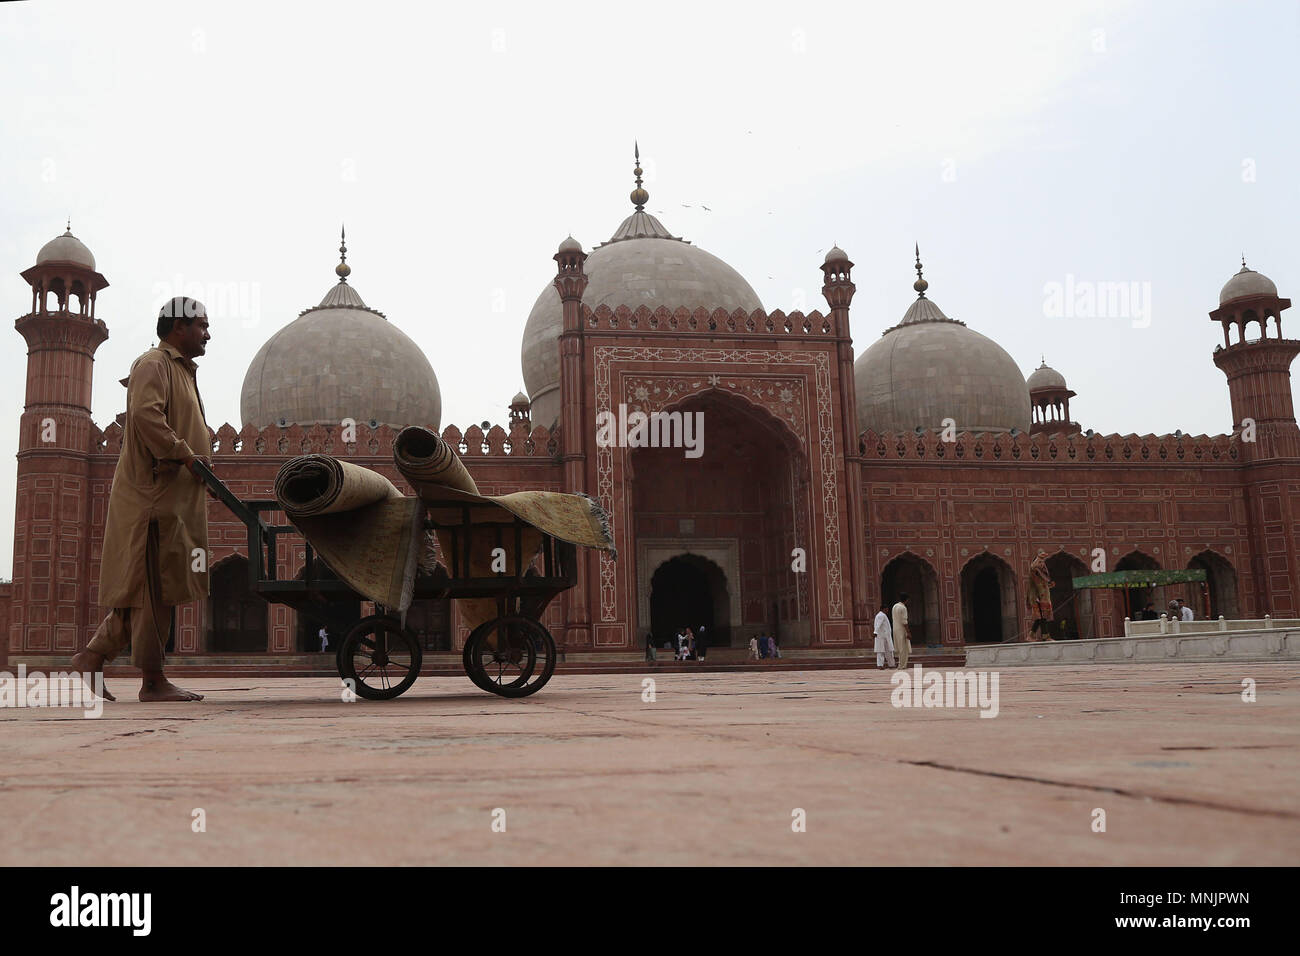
<point>159,688</point>
<point>87,664</point>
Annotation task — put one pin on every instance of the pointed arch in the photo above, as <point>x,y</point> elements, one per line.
<point>1135,599</point>
<point>745,504</point>
<point>237,618</point>
<point>745,405</point>
<point>990,603</point>
<point>1071,610</point>
<point>910,573</point>
<point>690,590</point>
<point>1221,585</point>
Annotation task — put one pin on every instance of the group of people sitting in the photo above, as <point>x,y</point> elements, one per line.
<point>689,644</point>
<point>1178,611</point>
<point>692,644</point>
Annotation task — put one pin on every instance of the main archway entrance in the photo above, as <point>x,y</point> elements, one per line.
<point>732,517</point>
<point>690,591</point>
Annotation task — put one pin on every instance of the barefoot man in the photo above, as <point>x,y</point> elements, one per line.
<point>156,537</point>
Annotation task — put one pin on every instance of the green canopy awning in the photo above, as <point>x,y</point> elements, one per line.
<point>1139,579</point>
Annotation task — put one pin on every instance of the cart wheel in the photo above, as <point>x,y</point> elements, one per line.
<point>511,656</point>
<point>380,658</point>
<point>363,626</point>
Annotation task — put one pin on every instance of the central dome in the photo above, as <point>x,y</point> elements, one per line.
<point>642,264</point>
<point>341,359</point>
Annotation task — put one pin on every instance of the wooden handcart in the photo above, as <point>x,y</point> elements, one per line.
<point>511,655</point>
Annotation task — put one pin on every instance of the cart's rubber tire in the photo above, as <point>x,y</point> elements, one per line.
<point>359,626</point>
<point>523,666</point>
<point>498,672</point>
<point>386,645</point>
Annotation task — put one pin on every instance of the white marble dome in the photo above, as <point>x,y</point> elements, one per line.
<point>66,248</point>
<point>642,264</point>
<point>341,359</point>
<point>930,367</point>
<point>1246,282</point>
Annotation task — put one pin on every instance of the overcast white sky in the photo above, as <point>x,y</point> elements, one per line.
<point>1020,143</point>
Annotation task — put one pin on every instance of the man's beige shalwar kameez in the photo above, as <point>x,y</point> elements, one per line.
<point>902,635</point>
<point>156,538</point>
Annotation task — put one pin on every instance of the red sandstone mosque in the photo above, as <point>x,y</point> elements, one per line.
<point>930,465</point>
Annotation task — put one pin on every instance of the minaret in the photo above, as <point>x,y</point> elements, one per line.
<point>838,288</point>
<point>1258,370</point>
<point>1263,419</point>
<point>52,600</point>
<point>575,425</point>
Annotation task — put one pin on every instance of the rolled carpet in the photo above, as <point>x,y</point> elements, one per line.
<point>373,537</point>
<point>366,530</point>
<point>437,474</point>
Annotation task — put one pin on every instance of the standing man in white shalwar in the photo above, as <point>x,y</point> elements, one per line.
<point>902,636</point>
<point>884,639</point>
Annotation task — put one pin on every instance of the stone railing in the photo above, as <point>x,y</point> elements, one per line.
<point>1024,448</point>
<point>1257,644</point>
<point>1169,626</point>
<point>319,439</point>
<point>705,322</point>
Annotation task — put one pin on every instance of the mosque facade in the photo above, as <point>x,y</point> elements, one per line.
<point>823,486</point>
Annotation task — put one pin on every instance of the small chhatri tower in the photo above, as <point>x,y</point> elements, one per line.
<point>1050,397</point>
<point>1258,370</point>
<point>52,541</point>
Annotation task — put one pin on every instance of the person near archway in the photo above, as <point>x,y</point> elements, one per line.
<point>324,636</point>
<point>884,639</point>
<point>649,646</point>
<point>901,634</point>
<point>753,648</point>
<point>1038,598</point>
<point>701,644</point>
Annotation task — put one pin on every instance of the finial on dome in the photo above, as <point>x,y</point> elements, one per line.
<point>69,232</point>
<point>920,285</point>
<point>639,196</point>
<point>343,270</point>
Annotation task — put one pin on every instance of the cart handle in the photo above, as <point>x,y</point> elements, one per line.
<point>225,495</point>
